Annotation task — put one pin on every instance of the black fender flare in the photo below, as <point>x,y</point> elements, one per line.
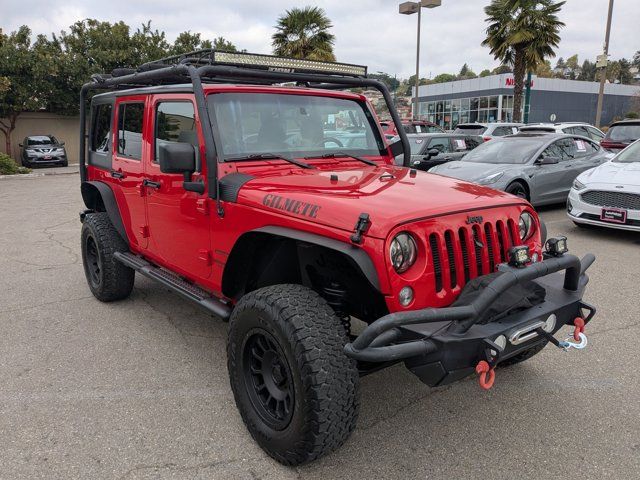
<point>359,256</point>
<point>97,196</point>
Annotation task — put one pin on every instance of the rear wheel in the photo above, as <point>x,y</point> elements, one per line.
<point>518,189</point>
<point>108,279</point>
<point>295,388</point>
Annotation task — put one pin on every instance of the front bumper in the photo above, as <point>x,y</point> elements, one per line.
<point>588,214</point>
<point>442,345</point>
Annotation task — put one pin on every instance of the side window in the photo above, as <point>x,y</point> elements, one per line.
<point>176,123</point>
<point>595,134</point>
<point>130,118</point>
<point>552,150</point>
<point>567,147</point>
<point>472,142</point>
<point>441,144</point>
<point>502,131</point>
<point>101,128</point>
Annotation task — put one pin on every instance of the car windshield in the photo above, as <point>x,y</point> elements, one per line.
<point>624,133</point>
<point>629,154</point>
<point>293,125</point>
<point>504,150</point>
<point>470,129</point>
<point>42,140</point>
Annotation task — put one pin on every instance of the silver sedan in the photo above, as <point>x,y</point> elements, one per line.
<point>540,168</point>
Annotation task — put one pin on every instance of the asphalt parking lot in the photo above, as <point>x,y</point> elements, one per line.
<point>139,389</point>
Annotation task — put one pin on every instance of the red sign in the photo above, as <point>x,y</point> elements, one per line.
<point>510,82</point>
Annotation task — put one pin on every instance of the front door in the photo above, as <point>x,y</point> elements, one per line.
<point>549,179</point>
<point>127,169</point>
<point>179,221</point>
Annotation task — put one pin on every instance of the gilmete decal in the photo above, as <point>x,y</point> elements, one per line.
<point>290,205</point>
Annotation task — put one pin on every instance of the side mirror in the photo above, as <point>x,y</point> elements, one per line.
<point>432,152</point>
<point>177,158</point>
<point>61,144</point>
<point>20,145</point>
<point>547,161</point>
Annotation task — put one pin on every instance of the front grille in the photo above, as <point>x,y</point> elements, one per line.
<point>472,251</point>
<point>602,198</point>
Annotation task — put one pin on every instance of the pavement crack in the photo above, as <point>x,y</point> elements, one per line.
<point>179,468</point>
<point>31,307</point>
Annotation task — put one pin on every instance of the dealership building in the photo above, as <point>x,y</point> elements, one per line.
<point>490,99</point>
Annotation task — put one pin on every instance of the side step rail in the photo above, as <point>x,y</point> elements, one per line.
<point>176,284</point>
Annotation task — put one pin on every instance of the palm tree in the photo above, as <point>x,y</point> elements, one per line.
<point>522,33</point>
<point>304,33</point>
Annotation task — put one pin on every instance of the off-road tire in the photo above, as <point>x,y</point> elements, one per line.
<point>100,240</point>
<point>324,381</point>
<point>525,355</point>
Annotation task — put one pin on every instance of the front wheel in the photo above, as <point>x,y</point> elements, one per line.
<point>295,388</point>
<point>517,189</point>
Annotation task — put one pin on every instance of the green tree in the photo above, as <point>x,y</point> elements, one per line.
<point>444,78</point>
<point>485,73</point>
<point>304,33</point>
<point>391,82</point>
<point>587,71</point>
<point>502,69</point>
<point>573,66</point>
<point>466,72</point>
<point>636,59</point>
<point>522,33</point>
<point>24,79</point>
<point>544,70</point>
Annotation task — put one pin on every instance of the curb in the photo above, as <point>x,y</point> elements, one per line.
<point>40,174</point>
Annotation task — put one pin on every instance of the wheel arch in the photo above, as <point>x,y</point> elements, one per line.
<point>273,255</point>
<point>99,197</point>
<point>523,182</point>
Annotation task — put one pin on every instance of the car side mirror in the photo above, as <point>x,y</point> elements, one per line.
<point>547,161</point>
<point>432,152</point>
<point>61,144</point>
<point>20,145</point>
<point>180,158</point>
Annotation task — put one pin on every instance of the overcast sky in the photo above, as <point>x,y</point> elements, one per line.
<point>369,32</point>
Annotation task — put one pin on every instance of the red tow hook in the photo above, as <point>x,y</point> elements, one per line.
<point>487,374</point>
<point>579,323</point>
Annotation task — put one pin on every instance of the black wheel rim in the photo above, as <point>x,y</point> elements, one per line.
<point>94,263</point>
<point>518,191</point>
<point>268,379</point>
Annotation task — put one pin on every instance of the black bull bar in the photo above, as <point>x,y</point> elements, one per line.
<point>421,333</point>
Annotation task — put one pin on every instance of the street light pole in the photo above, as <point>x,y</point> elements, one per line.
<point>409,8</point>
<point>603,63</point>
<point>415,96</point>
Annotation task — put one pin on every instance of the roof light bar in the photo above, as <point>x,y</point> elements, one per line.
<point>287,65</point>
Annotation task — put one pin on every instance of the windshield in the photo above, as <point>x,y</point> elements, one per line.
<point>417,144</point>
<point>293,125</point>
<point>629,154</point>
<point>624,133</point>
<point>504,150</point>
<point>42,140</point>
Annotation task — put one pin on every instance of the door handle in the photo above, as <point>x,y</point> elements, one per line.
<point>117,174</point>
<point>150,184</point>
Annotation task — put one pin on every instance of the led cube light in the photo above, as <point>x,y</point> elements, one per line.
<point>556,246</point>
<point>519,256</point>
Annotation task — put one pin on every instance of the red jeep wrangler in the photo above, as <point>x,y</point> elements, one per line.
<point>278,208</point>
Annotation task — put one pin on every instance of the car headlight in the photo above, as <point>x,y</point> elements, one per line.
<point>491,179</point>
<point>525,225</point>
<point>578,185</point>
<point>403,252</point>
<point>59,150</point>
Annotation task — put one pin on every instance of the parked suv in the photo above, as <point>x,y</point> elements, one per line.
<point>571,128</point>
<point>40,150</point>
<point>488,130</point>
<point>621,134</point>
<point>205,174</point>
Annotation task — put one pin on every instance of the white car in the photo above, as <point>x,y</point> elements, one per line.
<point>572,128</point>
<point>609,195</point>
<point>488,130</point>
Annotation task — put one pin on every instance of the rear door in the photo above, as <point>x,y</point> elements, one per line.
<point>127,169</point>
<point>178,219</point>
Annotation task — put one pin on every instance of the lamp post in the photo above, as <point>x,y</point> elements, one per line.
<point>602,64</point>
<point>409,8</point>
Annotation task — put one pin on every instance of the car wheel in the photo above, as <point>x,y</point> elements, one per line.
<point>108,279</point>
<point>65,163</point>
<point>295,388</point>
<point>518,189</point>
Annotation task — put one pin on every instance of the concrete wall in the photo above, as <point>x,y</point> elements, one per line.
<point>65,129</point>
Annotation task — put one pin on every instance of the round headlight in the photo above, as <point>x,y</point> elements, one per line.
<point>525,225</point>
<point>403,252</point>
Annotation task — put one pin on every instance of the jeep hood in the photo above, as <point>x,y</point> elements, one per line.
<point>389,194</point>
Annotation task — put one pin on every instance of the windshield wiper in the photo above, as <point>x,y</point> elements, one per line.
<point>268,156</point>
<point>344,154</point>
